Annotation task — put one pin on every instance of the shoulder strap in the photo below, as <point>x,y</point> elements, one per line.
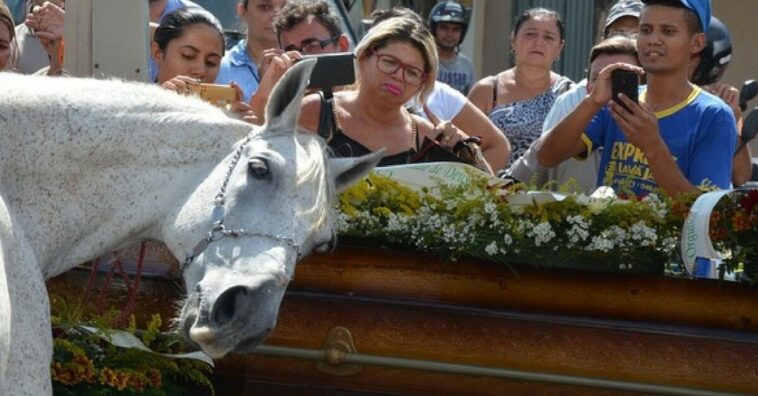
<point>562,85</point>
<point>494,91</point>
<point>414,137</point>
<point>326,117</point>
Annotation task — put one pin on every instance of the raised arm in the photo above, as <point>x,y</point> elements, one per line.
<point>494,145</point>
<point>564,140</point>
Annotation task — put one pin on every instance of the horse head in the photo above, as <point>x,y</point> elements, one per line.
<point>272,206</point>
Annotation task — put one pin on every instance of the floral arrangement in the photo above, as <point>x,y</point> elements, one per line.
<point>508,224</point>
<point>87,362</point>
<point>734,229</point>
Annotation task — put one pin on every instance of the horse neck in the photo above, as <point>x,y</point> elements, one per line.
<point>92,174</point>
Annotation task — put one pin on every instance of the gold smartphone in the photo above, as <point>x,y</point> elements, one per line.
<point>217,94</point>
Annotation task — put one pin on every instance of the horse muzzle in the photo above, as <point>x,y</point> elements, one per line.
<point>238,319</point>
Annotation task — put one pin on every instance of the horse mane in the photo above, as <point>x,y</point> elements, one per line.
<point>317,173</point>
<point>175,128</point>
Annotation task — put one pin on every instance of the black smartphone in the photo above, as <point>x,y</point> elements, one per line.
<point>332,70</point>
<point>625,82</point>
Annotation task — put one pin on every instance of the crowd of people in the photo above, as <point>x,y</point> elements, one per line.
<point>415,89</point>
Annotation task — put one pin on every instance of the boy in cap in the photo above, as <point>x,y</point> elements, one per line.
<point>678,137</point>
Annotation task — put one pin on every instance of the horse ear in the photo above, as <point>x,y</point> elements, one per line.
<point>349,170</point>
<point>283,107</point>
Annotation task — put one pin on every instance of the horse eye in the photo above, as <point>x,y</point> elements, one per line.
<point>258,168</point>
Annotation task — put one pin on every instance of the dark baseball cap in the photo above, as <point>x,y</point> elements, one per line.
<point>621,9</point>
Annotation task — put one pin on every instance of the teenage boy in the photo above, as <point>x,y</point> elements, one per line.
<point>678,137</point>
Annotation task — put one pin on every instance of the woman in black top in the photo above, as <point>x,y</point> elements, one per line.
<point>395,62</point>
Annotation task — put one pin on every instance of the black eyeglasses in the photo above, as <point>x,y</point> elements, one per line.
<point>312,45</point>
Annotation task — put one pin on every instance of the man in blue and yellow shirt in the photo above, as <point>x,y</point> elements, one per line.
<point>678,137</point>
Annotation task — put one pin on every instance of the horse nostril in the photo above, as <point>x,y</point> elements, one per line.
<point>228,303</point>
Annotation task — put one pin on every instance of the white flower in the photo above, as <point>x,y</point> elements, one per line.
<point>578,231</point>
<point>491,249</point>
<point>597,206</point>
<point>657,204</point>
<point>582,199</point>
<point>643,234</point>
<point>617,235</point>
<point>542,233</point>
<point>600,244</point>
<point>398,223</point>
<point>342,222</point>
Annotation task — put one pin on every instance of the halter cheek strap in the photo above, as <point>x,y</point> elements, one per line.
<point>218,230</point>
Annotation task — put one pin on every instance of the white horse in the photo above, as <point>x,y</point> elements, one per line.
<point>89,166</point>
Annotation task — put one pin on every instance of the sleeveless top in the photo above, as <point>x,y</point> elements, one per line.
<point>345,146</point>
<point>521,122</point>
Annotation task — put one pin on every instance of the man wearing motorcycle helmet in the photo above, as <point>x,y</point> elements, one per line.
<point>706,70</point>
<point>448,24</point>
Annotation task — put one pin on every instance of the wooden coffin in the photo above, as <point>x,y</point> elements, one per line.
<point>477,328</point>
<point>370,321</point>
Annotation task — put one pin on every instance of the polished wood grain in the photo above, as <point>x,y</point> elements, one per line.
<point>649,329</point>
<point>410,275</point>
<point>538,344</point>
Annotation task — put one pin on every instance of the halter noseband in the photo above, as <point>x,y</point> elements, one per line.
<point>219,231</point>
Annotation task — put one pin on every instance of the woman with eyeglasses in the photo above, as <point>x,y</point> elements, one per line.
<point>395,62</point>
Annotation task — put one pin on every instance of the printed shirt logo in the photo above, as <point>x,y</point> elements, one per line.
<point>629,168</point>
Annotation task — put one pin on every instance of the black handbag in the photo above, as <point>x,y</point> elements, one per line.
<point>466,151</point>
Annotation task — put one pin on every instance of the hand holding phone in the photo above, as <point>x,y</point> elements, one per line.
<point>626,82</point>
<point>216,94</point>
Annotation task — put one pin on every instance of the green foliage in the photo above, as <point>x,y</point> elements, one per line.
<point>85,363</point>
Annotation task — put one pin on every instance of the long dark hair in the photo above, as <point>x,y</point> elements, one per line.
<point>172,25</point>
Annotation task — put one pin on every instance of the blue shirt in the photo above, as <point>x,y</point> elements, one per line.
<point>700,133</point>
<point>236,66</point>
<point>171,6</point>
